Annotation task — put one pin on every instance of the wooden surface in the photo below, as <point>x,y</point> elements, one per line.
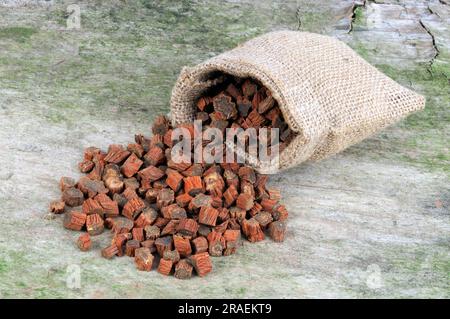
<point>373,221</point>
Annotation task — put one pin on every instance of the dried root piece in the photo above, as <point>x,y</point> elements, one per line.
<point>65,183</point>
<point>110,208</point>
<point>187,227</point>
<point>230,195</point>
<point>131,246</point>
<point>160,125</point>
<point>182,245</point>
<point>183,269</point>
<point>225,106</point>
<point>57,206</point>
<point>74,220</point>
<point>202,263</point>
<point>183,200</point>
<point>252,229</point>
<point>232,238</point>
<point>155,156</point>
<point>264,219</point>
<point>163,244</point>
<point>94,224</point>
<point>249,88</point>
<point>136,149</point>
<point>193,185</point>
<point>200,245</point>
<point>165,266</point>
<point>151,173</point>
<point>138,234</point>
<point>280,213</point>
<point>216,244</point>
<point>110,251</point>
<point>174,180</point>
<point>172,255</point>
<point>84,242</point>
<point>91,206</point>
<point>170,228</point>
<point>143,259</point>
<point>208,216</point>
<point>277,231</point>
<point>121,225</point>
<point>86,166</point>
<point>147,217</point>
<point>244,201</point>
<point>133,207</point>
<point>116,154</point>
<point>73,197</point>
<point>131,165</point>
<point>165,197</point>
<point>91,188</point>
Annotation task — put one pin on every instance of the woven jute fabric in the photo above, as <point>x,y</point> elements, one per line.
<point>329,96</point>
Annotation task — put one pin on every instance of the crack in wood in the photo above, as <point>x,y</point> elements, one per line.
<point>355,6</point>
<point>299,21</point>
<point>433,41</point>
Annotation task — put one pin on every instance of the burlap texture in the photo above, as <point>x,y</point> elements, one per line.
<point>329,96</point>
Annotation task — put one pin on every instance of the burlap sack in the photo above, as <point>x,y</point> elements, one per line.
<point>329,96</point>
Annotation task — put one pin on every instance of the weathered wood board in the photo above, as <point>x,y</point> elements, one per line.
<point>373,221</point>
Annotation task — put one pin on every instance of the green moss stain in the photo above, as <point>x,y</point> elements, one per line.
<point>22,275</point>
<point>425,267</point>
<point>441,66</point>
<point>312,21</point>
<point>362,50</point>
<point>241,292</point>
<point>19,34</point>
<point>358,17</point>
<point>3,266</point>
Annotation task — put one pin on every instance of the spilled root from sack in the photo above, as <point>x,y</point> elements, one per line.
<point>174,216</point>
